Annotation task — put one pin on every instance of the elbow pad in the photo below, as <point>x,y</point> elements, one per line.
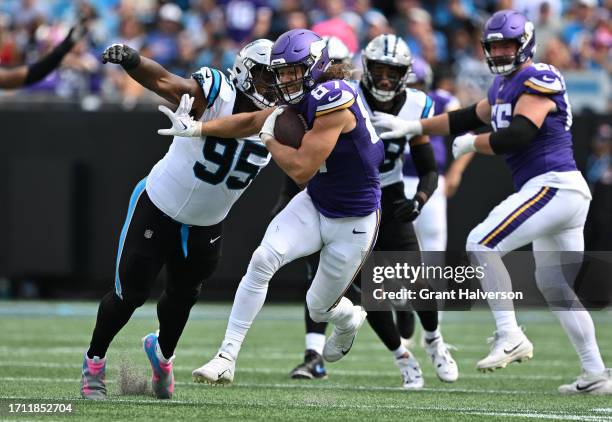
<point>426,168</point>
<point>464,120</point>
<point>514,137</point>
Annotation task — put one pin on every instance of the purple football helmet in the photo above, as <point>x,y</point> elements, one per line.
<point>298,49</point>
<point>508,25</point>
<point>421,73</point>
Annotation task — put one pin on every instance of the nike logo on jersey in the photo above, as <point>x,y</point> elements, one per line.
<point>211,242</point>
<point>513,349</point>
<point>357,232</point>
<point>334,98</point>
<point>587,386</point>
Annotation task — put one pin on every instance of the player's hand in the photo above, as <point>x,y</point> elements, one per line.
<point>182,123</point>
<point>406,210</point>
<point>397,127</point>
<point>267,130</point>
<point>464,144</point>
<point>121,54</point>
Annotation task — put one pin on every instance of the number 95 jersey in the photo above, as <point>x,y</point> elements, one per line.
<point>199,179</point>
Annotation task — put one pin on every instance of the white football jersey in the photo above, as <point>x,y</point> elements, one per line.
<point>199,179</point>
<point>418,105</point>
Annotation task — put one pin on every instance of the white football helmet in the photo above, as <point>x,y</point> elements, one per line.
<point>338,51</point>
<point>390,50</point>
<point>250,73</point>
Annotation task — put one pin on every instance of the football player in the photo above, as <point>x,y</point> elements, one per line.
<point>30,74</point>
<point>386,69</point>
<point>175,215</point>
<point>338,213</point>
<point>528,108</point>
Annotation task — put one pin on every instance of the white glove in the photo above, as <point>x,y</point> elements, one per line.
<point>464,144</point>
<point>398,127</point>
<point>182,123</point>
<point>267,130</point>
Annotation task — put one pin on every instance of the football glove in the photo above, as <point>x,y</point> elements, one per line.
<point>398,127</point>
<point>121,54</point>
<point>406,210</point>
<point>267,130</point>
<point>183,124</point>
<point>464,144</point>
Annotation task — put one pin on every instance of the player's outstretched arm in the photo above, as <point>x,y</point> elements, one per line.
<point>451,123</point>
<point>27,75</point>
<point>154,76</point>
<point>241,125</point>
<point>303,163</point>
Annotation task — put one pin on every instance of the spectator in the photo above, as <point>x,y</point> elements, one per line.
<point>162,43</point>
<point>246,20</point>
<point>421,36</point>
<point>599,175</point>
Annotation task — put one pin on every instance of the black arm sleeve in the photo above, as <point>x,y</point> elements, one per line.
<point>426,168</point>
<point>464,120</point>
<point>44,66</point>
<point>514,137</point>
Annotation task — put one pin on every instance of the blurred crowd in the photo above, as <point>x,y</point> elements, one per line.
<point>184,35</point>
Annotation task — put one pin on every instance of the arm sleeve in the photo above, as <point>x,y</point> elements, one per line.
<point>39,70</point>
<point>425,164</point>
<point>515,137</point>
<point>464,120</point>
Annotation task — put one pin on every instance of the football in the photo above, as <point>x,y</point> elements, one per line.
<point>290,128</point>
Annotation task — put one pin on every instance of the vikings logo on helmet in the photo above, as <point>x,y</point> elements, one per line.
<point>508,25</point>
<point>299,48</point>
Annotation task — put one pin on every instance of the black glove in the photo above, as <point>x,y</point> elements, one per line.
<point>121,54</point>
<point>406,210</point>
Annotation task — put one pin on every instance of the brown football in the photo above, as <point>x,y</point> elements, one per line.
<point>290,128</point>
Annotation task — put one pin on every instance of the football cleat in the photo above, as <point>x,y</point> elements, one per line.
<point>590,384</point>
<point>506,347</point>
<point>93,376</point>
<point>444,364</point>
<point>339,343</point>
<point>412,376</point>
<point>220,370</point>
<point>311,368</point>
<point>162,380</point>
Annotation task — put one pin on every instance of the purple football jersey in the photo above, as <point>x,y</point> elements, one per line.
<point>348,182</point>
<point>441,100</point>
<point>551,149</point>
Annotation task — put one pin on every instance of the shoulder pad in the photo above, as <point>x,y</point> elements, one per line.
<point>543,79</point>
<point>214,84</point>
<point>417,100</point>
<point>332,96</point>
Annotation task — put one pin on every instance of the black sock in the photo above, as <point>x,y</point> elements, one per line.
<point>383,325</point>
<point>405,323</point>
<point>311,326</point>
<point>429,320</point>
<point>113,314</point>
<point>173,313</point>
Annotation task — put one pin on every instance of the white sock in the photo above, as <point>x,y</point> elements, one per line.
<point>400,352</point>
<point>343,315</point>
<point>316,342</point>
<point>496,279</point>
<point>579,327</point>
<point>249,299</point>
<point>505,321</point>
<point>432,335</point>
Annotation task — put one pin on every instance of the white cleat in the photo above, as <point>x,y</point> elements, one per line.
<point>443,362</point>
<point>507,347</point>
<point>339,343</point>
<point>590,384</point>
<point>412,375</point>
<point>220,370</point>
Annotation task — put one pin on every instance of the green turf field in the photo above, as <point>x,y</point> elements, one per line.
<point>42,344</point>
